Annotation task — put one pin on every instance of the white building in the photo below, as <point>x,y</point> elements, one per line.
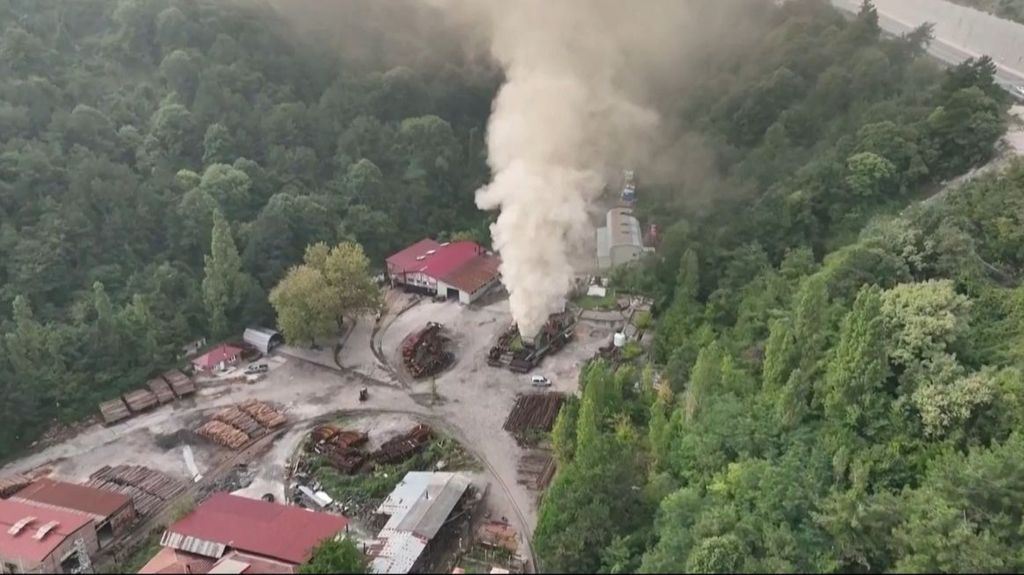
<point>620,241</point>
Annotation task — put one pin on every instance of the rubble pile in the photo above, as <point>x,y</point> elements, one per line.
<point>340,447</point>
<point>520,354</point>
<point>425,353</point>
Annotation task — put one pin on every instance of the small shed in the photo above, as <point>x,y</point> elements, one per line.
<point>114,410</point>
<point>180,383</point>
<point>262,338</point>
<point>160,388</point>
<point>140,400</point>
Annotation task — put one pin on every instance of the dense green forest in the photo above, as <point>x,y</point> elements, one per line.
<point>1009,9</point>
<point>128,127</point>
<point>836,382</point>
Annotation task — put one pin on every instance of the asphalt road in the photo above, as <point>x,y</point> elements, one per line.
<point>960,33</point>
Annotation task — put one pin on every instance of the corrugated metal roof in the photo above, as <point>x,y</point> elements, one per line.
<point>261,338</point>
<point>418,507</point>
<point>169,560</point>
<point>215,356</point>
<point>399,553</point>
<point>434,259</point>
<point>623,228</point>
<point>21,543</point>
<point>269,529</point>
<point>474,274</point>
<point>97,503</point>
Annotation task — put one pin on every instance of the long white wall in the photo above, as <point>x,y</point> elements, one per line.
<point>961,29</point>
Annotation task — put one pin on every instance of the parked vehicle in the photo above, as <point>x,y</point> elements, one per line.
<point>364,394</point>
<point>257,368</point>
<point>539,381</point>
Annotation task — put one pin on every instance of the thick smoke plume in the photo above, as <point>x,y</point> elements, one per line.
<point>575,108</point>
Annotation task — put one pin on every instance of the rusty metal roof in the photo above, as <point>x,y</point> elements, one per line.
<point>474,274</point>
<point>97,503</point>
<point>22,533</point>
<point>272,530</point>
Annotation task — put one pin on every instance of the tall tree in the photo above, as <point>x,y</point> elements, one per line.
<point>336,556</point>
<point>222,291</point>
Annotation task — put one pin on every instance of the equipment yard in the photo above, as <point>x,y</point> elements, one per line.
<point>227,423</point>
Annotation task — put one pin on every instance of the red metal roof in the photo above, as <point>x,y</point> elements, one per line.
<point>474,274</point>
<point>89,500</point>
<point>444,259</point>
<point>24,546</point>
<point>254,526</point>
<point>215,356</point>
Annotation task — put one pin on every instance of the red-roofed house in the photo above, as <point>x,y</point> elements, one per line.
<point>41,539</point>
<point>244,535</point>
<point>462,270</point>
<point>217,359</point>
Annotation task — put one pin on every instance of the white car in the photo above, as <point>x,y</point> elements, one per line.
<point>539,381</point>
<point>1018,91</point>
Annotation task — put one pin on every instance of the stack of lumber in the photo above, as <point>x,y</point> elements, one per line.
<point>404,446</point>
<point>241,420</point>
<point>12,484</point>
<point>180,383</point>
<point>140,400</point>
<point>160,388</point>
<point>264,414</point>
<point>149,489</point>
<point>223,434</point>
<point>535,411</point>
<point>114,410</point>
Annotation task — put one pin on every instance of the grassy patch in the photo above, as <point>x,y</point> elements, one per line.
<point>142,553</point>
<point>366,487</point>
<point>643,320</point>
<point>608,302</point>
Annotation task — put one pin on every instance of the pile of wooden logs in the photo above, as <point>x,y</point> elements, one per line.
<point>404,446</point>
<point>114,410</point>
<point>241,421</point>
<point>140,400</point>
<point>534,411</point>
<point>180,383</point>
<point>536,469</point>
<point>424,353</point>
<point>160,388</point>
<point>236,426</point>
<point>149,489</point>
<point>223,434</point>
<point>267,416</point>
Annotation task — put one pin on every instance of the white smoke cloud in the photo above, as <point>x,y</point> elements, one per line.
<point>573,108</point>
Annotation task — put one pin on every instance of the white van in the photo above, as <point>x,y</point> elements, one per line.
<point>539,381</point>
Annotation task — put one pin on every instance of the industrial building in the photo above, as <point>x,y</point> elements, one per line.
<point>620,241</point>
<point>262,338</point>
<point>417,509</point>
<point>454,270</point>
<point>41,539</point>
<point>112,513</point>
<point>232,534</point>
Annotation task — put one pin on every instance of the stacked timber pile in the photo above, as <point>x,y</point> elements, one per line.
<point>140,400</point>
<point>223,434</point>
<point>149,489</point>
<point>424,353</point>
<point>160,388</point>
<point>404,446</point>
<point>266,416</point>
<point>340,447</point>
<point>236,426</point>
<point>241,421</point>
<point>114,410</point>
<point>536,469</point>
<point>12,484</point>
<point>533,412</point>
<point>180,383</point>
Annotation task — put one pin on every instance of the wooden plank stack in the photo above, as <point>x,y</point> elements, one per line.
<point>534,411</point>
<point>148,488</point>
<point>180,383</point>
<point>266,416</point>
<point>223,434</point>
<point>114,410</point>
<point>12,484</point>
<point>140,400</point>
<point>160,388</point>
